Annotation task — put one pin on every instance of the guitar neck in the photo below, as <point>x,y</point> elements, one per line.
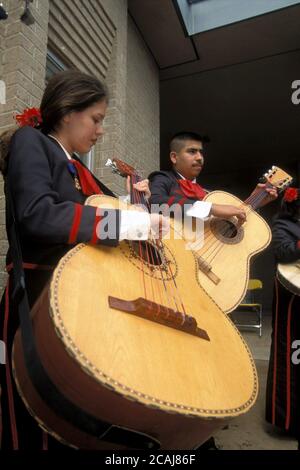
<point>254,200</point>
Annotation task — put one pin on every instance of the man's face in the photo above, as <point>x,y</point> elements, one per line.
<point>188,161</point>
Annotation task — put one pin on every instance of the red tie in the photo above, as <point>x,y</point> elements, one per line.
<point>192,190</point>
<point>87,182</point>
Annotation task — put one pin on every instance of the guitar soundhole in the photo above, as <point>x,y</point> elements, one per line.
<point>226,231</point>
<point>153,262</point>
<point>149,253</point>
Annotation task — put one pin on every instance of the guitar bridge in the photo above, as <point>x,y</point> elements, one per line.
<point>206,268</point>
<point>160,314</point>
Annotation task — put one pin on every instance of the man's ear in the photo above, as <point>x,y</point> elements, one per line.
<point>173,157</point>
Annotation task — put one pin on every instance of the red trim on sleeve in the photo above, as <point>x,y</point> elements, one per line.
<point>298,244</point>
<point>274,394</point>
<point>76,223</point>
<point>288,366</point>
<point>182,201</point>
<point>171,200</point>
<point>95,238</point>
<point>42,267</point>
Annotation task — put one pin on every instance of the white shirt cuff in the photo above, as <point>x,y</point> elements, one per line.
<point>135,225</point>
<point>199,209</point>
<point>125,199</point>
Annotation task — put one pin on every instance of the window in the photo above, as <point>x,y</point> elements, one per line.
<point>53,65</point>
<point>204,15</point>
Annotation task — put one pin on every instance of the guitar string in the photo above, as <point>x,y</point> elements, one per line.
<point>280,183</point>
<point>218,245</point>
<point>162,291</point>
<point>171,289</point>
<point>225,228</point>
<point>138,198</point>
<point>250,201</point>
<point>131,243</point>
<point>177,298</point>
<point>134,195</point>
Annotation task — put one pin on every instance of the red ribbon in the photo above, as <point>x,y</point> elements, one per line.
<point>30,117</point>
<point>192,190</point>
<point>87,182</point>
<point>290,194</point>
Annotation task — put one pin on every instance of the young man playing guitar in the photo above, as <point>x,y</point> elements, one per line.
<point>180,185</point>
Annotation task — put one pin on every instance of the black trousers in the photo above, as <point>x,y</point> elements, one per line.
<point>18,429</point>
<point>283,383</point>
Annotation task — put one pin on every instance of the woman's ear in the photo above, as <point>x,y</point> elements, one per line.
<point>67,118</point>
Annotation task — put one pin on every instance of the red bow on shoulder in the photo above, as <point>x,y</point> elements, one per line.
<point>192,190</point>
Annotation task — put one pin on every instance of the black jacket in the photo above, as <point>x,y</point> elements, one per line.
<point>286,239</point>
<point>50,211</point>
<point>165,189</point>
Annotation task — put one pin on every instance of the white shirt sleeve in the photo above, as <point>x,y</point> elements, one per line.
<point>199,209</point>
<point>135,225</point>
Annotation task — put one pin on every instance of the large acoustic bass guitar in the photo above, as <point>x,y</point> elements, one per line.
<point>139,356</point>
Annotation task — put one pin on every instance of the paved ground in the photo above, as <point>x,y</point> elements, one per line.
<point>250,431</point>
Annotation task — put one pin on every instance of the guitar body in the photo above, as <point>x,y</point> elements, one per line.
<point>289,276</point>
<point>228,254</point>
<point>127,370</point>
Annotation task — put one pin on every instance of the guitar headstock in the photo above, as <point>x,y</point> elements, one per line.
<point>120,167</point>
<point>278,178</point>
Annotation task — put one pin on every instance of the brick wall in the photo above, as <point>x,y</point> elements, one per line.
<point>96,37</point>
<point>113,143</point>
<point>132,122</point>
<point>22,68</point>
<point>142,105</point>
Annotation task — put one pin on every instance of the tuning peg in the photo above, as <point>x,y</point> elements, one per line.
<point>109,162</point>
<point>262,179</point>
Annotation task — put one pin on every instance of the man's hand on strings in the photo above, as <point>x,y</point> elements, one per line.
<point>226,211</point>
<point>271,195</point>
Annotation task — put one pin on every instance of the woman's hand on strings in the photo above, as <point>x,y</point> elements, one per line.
<point>141,186</point>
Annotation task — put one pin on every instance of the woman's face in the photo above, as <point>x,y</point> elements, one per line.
<point>80,130</point>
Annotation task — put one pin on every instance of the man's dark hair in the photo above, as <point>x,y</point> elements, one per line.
<point>178,139</point>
